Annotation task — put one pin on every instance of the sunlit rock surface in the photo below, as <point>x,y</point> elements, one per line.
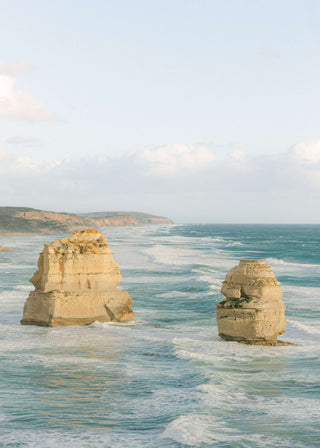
<point>253,311</point>
<point>76,283</point>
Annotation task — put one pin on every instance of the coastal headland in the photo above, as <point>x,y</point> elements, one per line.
<point>24,220</point>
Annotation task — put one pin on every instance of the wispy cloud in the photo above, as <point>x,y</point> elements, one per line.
<point>307,152</point>
<point>14,69</point>
<point>23,166</point>
<point>15,104</point>
<point>18,105</point>
<point>238,155</point>
<point>181,181</point>
<point>23,141</point>
<point>175,158</point>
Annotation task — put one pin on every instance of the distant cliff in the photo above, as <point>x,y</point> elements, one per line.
<point>141,218</point>
<point>29,220</point>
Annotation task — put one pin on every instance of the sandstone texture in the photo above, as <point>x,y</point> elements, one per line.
<point>75,222</point>
<point>4,249</point>
<point>76,284</point>
<point>253,311</point>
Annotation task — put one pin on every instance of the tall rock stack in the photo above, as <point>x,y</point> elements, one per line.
<point>253,311</point>
<point>76,284</point>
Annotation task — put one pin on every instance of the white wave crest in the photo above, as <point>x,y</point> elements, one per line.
<point>234,244</point>
<point>98,324</point>
<point>171,255</point>
<point>311,328</point>
<point>71,439</point>
<point>281,262</point>
<point>23,287</point>
<point>194,430</point>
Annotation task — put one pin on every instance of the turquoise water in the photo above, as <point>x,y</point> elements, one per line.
<point>166,380</point>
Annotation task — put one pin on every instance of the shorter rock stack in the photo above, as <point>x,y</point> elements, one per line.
<point>76,284</point>
<point>253,311</point>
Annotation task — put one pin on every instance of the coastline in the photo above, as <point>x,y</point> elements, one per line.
<point>50,232</point>
<point>28,221</point>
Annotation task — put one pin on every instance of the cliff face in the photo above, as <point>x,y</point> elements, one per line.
<point>140,218</point>
<point>25,220</point>
<point>115,221</point>
<point>75,222</point>
<point>76,283</point>
<point>253,310</point>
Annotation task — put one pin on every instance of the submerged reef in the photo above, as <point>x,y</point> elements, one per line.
<point>253,311</point>
<point>76,284</point>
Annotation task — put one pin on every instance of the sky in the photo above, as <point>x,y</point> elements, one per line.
<point>202,110</point>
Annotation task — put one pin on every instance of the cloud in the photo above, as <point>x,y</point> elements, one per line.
<point>18,105</point>
<point>14,69</point>
<point>307,152</point>
<point>27,141</point>
<point>16,166</point>
<point>180,181</point>
<point>238,155</point>
<point>307,156</point>
<point>175,158</point>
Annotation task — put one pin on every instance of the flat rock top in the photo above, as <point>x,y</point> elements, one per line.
<point>248,270</point>
<point>83,241</point>
<point>88,235</point>
<point>256,262</point>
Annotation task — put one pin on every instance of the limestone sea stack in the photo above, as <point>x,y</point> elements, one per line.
<point>253,311</point>
<point>76,284</point>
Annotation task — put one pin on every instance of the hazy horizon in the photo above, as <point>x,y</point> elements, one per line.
<point>178,222</point>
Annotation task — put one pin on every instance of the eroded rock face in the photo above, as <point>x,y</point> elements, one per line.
<point>76,283</point>
<point>253,310</point>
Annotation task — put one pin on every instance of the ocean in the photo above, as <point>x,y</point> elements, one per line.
<point>166,380</point>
